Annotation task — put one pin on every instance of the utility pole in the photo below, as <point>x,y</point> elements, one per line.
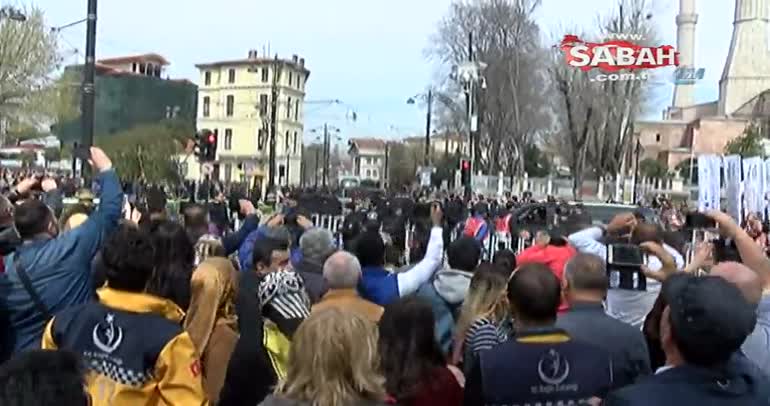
<point>317,150</point>
<point>88,91</point>
<point>326,153</point>
<point>469,106</point>
<point>386,175</point>
<point>273,119</point>
<point>427,127</point>
<point>286,172</point>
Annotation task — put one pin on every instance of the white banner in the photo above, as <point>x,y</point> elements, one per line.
<point>733,190</point>
<point>767,187</point>
<point>709,171</point>
<point>753,185</point>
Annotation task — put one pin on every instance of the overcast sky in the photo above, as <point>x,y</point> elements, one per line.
<point>367,53</point>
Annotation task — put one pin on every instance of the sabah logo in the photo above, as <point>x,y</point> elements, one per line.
<point>615,55</point>
<point>553,368</point>
<point>107,337</point>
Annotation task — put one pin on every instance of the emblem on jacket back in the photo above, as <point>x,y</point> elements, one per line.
<point>107,336</point>
<point>553,368</point>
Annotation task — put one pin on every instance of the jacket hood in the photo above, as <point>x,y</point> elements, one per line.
<point>452,285</point>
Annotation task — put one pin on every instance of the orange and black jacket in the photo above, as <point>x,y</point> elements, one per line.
<point>134,348</point>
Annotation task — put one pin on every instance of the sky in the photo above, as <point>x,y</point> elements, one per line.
<point>369,54</point>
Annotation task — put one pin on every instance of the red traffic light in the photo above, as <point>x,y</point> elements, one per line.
<point>212,139</point>
<point>466,165</point>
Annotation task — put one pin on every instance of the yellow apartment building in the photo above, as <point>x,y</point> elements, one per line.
<point>234,101</point>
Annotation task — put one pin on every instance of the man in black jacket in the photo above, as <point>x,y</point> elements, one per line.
<point>585,286</point>
<point>706,321</point>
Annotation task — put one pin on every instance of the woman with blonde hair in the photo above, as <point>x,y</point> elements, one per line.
<point>211,321</point>
<point>333,361</point>
<point>483,321</point>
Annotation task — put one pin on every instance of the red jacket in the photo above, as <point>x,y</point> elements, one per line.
<point>552,256</point>
<point>441,390</point>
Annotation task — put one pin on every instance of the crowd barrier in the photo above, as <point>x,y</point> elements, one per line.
<point>495,242</point>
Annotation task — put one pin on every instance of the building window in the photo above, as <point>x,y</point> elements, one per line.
<point>295,143</point>
<point>206,106</point>
<point>368,173</point>
<point>657,137</point>
<point>230,107</point>
<point>264,75</point>
<point>231,76</point>
<point>133,67</point>
<point>291,78</point>
<point>286,142</point>
<point>157,71</point>
<point>261,139</point>
<point>207,78</point>
<point>262,105</point>
<point>374,173</point>
<point>296,110</point>
<point>288,109</point>
<point>228,139</point>
<point>299,82</point>
<point>228,172</point>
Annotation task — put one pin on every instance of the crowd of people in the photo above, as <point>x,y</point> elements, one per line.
<point>141,307</point>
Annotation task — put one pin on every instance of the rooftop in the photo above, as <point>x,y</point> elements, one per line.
<point>142,58</point>
<point>368,143</point>
<point>253,59</point>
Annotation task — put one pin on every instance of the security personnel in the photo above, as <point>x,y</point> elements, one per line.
<point>131,342</point>
<point>476,226</point>
<point>550,368</point>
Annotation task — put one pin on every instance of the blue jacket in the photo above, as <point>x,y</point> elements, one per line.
<point>378,285</point>
<point>59,269</point>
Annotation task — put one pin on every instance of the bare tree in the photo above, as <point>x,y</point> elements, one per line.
<point>622,101</point>
<point>575,108</point>
<point>511,108</point>
<point>28,57</point>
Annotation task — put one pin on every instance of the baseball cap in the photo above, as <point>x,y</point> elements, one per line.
<point>709,317</point>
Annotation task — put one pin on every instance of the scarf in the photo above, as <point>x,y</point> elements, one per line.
<point>213,288</point>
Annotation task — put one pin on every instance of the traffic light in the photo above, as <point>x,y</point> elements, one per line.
<point>465,172</point>
<point>211,146</point>
<point>198,147</point>
<point>206,145</point>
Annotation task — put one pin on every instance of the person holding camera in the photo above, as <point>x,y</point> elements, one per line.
<point>633,287</point>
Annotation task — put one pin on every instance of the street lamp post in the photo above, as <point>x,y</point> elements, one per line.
<point>428,114</point>
<point>470,75</point>
<point>88,92</point>
<point>326,151</point>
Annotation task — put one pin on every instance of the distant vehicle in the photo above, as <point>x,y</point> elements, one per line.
<point>349,182</point>
<point>603,213</point>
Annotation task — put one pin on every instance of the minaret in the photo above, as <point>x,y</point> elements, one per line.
<point>684,95</point>
<point>747,69</point>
